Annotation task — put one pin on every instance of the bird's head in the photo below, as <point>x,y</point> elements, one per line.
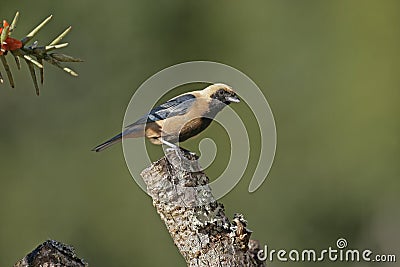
<point>222,93</point>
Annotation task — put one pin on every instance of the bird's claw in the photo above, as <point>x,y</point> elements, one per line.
<point>182,152</point>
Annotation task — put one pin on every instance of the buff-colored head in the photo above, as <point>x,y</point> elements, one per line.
<point>221,92</point>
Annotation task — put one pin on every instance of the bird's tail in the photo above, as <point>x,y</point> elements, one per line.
<point>108,143</point>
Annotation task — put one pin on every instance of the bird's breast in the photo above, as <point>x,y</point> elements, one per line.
<point>193,127</point>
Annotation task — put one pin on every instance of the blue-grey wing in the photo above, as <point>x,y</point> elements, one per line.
<point>174,107</point>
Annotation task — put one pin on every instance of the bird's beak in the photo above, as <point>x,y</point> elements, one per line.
<point>233,99</point>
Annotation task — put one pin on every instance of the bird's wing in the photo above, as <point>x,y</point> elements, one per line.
<point>174,107</point>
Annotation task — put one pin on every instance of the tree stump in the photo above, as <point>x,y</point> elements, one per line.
<point>51,253</point>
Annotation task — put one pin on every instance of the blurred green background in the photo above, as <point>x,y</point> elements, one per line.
<point>329,69</point>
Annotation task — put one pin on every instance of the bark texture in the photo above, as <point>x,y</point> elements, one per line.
<point>195,220</point>
<point>51,254</point>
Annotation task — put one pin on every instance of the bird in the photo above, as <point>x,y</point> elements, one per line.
<point>178,119</point>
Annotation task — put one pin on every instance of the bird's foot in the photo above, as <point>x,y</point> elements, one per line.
<point>182,152</point>
<point>191,154</point>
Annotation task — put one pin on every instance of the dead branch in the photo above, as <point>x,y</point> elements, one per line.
<point>195,220</point>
